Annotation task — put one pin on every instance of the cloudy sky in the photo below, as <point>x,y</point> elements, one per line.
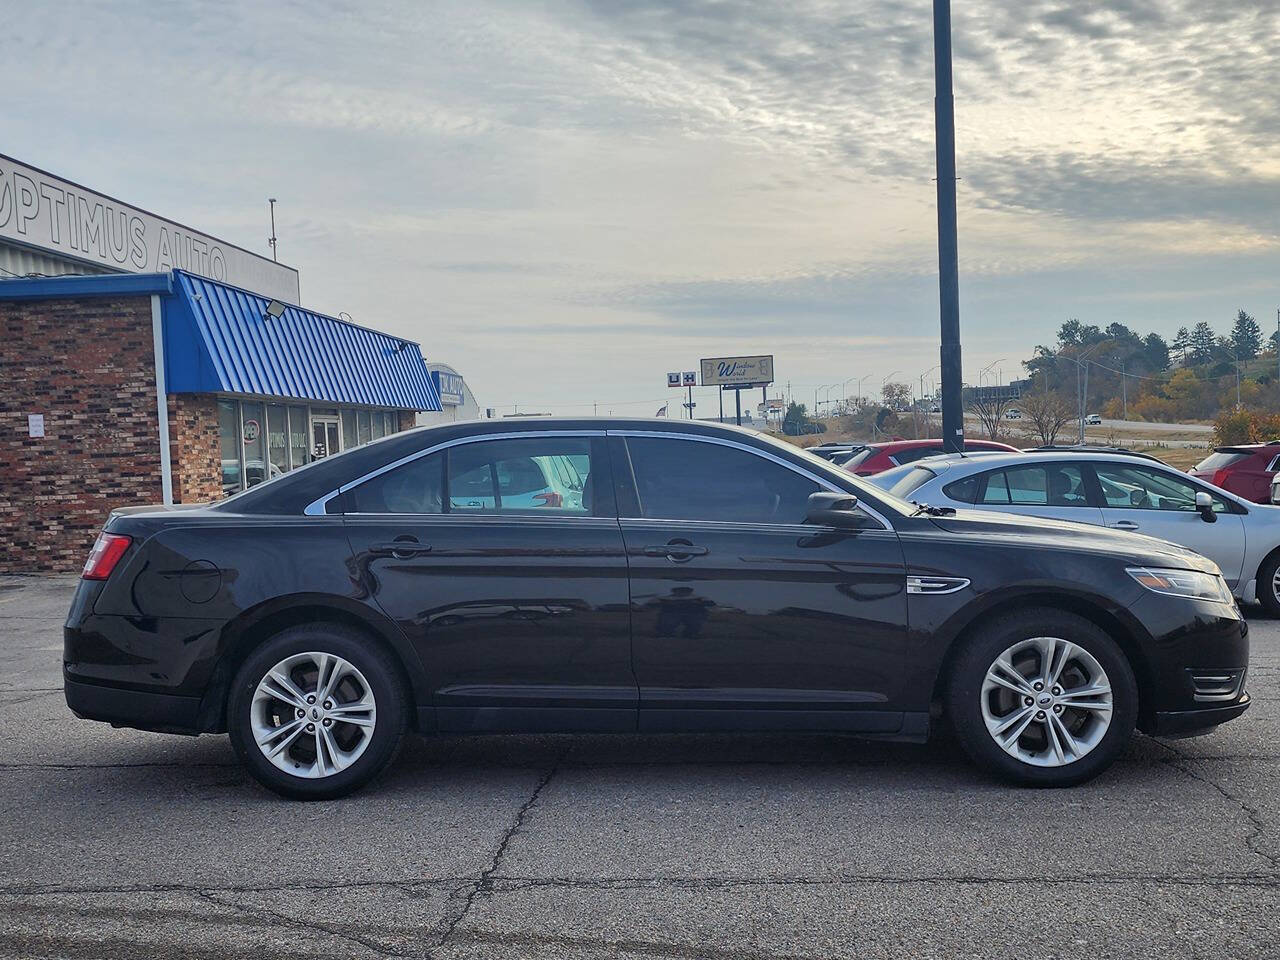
<point>565,200</point>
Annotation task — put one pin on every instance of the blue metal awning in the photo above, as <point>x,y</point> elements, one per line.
<point>220,339</point>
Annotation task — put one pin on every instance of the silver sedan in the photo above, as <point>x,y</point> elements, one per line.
<point>1127,493</point>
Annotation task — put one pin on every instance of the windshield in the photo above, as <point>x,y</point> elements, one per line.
<point>1218,460</point>
<point>859,458</point>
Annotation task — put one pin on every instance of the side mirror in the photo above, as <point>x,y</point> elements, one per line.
<point>827,509</point>
<point>1204,504</point>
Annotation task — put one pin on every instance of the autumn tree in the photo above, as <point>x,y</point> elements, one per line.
<point>990,411</point>
<point>1048,413</point>
<point>896,396</point>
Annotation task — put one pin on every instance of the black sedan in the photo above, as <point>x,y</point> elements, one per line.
<point>612,575</point>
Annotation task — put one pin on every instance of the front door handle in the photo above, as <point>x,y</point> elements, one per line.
<point>1125,525</point>
<point>678,551</point>
<point>400,549</point>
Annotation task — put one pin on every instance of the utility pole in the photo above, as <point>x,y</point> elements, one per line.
<point>944,111</point>
<point>272,241</point>
<point>1124,393</point>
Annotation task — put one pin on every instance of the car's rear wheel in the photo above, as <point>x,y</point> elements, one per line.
<point>317,711</point>
<point>1269,585</point>
<point>1042,697</point>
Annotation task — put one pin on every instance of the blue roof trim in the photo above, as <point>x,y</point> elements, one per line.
<point>102,285</point>
<point>219,339</point>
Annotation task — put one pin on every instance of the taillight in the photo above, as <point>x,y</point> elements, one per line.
<point>1220,477</point>
<point>551,499</point>
<point>106,553</point>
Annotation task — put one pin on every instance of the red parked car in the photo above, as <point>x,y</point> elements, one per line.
<point>883,456</point>
<point>1245,470</point>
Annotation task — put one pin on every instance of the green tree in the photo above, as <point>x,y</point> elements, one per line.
<point>1069,333</point>
<point>1246,337</point>
<point>1155,353</point>
<point>1201,343</point>
<point>1118,331</point>
<point>1180,343</point>
<point>796,415</point>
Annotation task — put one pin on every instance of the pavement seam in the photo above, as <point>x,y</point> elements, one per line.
<point>1254,838</point>
<point>484,883</point>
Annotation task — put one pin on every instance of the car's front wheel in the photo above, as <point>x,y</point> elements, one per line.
<point>317,711</point>
<point>1269,585</point>
<point>1042,697</point>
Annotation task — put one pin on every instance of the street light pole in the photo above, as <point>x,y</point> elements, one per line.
<point>944,112</point>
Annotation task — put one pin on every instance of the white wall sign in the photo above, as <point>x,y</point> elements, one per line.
<point>737,371</point>
<point>673,379</point>
<point>35,424</point>
<point>56,215</point>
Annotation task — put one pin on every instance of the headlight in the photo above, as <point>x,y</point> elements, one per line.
<point>1191,584</point>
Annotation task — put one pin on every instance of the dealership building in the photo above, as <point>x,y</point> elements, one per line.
<point>144,362</point>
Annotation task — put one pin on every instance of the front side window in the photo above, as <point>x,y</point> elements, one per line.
<point>690,480</point>
<point>1144,488</point>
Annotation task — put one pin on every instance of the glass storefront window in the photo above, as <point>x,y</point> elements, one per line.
<point>363,417</point>
<point>348,429</point>
<point>379,425</point>
<point>391,421</point>
<point>277,438</point>
<point>255,443</point>
<point>298,447</point>
<point>229,445</point>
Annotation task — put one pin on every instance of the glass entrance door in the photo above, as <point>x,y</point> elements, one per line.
<point>324,437</point>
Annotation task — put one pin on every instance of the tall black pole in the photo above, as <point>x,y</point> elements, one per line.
<point>948,257</point>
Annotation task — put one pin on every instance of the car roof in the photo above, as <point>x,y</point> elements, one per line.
<point>892,445</point>
<point>996,459</point>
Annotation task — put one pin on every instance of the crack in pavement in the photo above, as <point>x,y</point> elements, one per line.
<point>259,910</point>
<point>485,881</point>
<point>1253,840</point>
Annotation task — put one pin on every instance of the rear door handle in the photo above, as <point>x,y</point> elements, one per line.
<point>678,552</point>
<point>1125,525</point>
<point>400,549</point>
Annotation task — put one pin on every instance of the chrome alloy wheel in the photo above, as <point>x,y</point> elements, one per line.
<point>313,715</point>
<point>1046,701</point>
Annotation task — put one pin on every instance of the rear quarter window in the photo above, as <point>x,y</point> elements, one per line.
<point>962,491</point>
<point>1217,461</point>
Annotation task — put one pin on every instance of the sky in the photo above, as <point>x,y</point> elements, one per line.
<point>567,200</point>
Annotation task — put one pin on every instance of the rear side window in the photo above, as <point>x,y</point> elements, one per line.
<point>915,478</point>
<point>415,487</point>
<point>1047,484</point>
<point>690,480</point>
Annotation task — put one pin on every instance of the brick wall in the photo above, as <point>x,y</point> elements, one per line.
<point>87,366</point>
<point>194,452</point>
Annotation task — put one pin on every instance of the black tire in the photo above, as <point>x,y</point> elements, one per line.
<point>969,669</point>
<point>1267,585</point>
<point>384,680</point>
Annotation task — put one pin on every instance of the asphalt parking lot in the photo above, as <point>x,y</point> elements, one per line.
<point>115,843</point>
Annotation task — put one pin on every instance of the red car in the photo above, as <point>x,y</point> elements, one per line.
<point>1245,470</point>
<point>883,456</point>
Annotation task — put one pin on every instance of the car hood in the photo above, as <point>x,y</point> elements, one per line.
<point>1040,532</point>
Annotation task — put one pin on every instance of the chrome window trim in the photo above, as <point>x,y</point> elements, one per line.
<point>764,454</point>
<point>317,507</point>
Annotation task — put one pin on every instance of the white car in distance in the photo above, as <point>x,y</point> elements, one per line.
<point>1112,490</point>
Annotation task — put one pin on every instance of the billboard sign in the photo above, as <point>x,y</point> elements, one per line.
<point>737,371</point>
<point>450,387</point>
<point>57,216</point>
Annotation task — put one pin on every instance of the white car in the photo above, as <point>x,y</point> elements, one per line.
<point>1093,420</point>
<point>1123,492</point>
<point>1013,414</point>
